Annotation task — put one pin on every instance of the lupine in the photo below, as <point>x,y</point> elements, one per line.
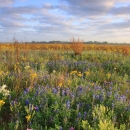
<point>68,104</point>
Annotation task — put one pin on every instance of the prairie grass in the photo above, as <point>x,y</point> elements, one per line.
<point>47,87</point>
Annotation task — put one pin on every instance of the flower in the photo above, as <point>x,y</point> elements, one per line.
<point>60,85</point>
<point>60,128</point>
<point>1,103</point>
<point>28,117</point>
<point>36,108</point>
<point>4,86</point>
<point>4,91</point>
<point>79,74</point>
<point>68,104</point>
<point>79,115</point>
<point>73,72</point>
<point>54,91</point>
<point>72,128</point>
<point>27,67</point>
<point>29,129</point>
<point>108,75</point>
<point>27,102</point>
<point>33,75</point>
<point>87,73</point>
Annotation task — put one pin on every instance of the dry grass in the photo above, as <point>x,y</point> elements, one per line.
<point>77,46</point>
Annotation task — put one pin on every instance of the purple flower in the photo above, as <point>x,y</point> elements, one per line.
<point>85,113</point>
<point>27,102</point>
<point>68,104</point>
<point>109,94</point>
<point>26,90</point>
<point>67,90</point>
<point>113,105</point>
<point>87,106</point>
<point>54,90</point>
<point>12,103</point>
<point>80,88</point>
<point>63,92</point>
<point>72,128</point>
<point>36,108</point>
<point>79,115</point>
<point>72,95</point>
<point>60,128</point>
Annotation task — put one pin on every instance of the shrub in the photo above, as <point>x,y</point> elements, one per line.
<point>77,46</point>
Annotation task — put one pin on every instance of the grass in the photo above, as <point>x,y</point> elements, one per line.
<point>52,87</point>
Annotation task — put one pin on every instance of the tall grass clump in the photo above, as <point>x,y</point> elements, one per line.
<point>77,46</point>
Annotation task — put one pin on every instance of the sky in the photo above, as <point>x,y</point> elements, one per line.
<point>61,20</point>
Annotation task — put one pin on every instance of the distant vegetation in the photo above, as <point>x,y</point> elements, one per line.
<point>67,42</point>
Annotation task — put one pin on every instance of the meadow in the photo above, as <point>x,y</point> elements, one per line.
<point>64,86</point>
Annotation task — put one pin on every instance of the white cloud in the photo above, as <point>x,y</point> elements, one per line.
<point>6,2</point>
<point>88,19</point>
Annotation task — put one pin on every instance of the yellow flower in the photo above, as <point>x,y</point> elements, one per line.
<point>1,72</point>
<point>33,75</point>
<point>2,103</point>
<point>73,72</point>
<point>28,117</point>
<point>108,75</point>
<point>24,58</point>
<point>60,85</point>
<point>69,82</point>
<point>79,74</point>
<point>87,73</point>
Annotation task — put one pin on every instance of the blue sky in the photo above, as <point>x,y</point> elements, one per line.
<point>46,20</point>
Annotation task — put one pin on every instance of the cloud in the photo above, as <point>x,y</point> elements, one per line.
<point>122,10</point>
<point>81,18</point>
<point>117,25</point>
<point>18,10</point>
<point>6,2</point>
<point>89,8</point>
<point>11,24</point>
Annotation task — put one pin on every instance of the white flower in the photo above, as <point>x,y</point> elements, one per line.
<point>27,67</point>
<point>4,86</point>
<point>4,91</point>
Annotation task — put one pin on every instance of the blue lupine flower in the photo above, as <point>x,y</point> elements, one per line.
<point>54,90</point>
<point>72,95</point>
<point>12,103</point>
<point>113,105</point>
<point>85,113</point>
<point>80,89</point>
<point>68,104</point>
<point>63,92</point>
<point>79,115</point>
<point>87,106</point>
<point>26,90</point>
<point>109,94</point>
<point>27,102</point>
<point>60,128</point>
<point>67,90</point>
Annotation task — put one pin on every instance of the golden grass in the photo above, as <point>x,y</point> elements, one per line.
<point>76,47</point>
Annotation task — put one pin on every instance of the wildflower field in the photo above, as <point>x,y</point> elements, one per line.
<point>64,87</point>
